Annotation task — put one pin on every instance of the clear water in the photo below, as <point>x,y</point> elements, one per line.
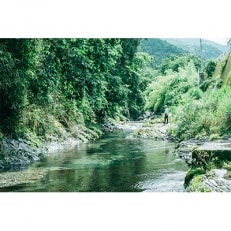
<point>111,164</point>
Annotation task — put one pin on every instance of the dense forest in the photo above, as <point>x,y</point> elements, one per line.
<point>85,80</point>
<point>48,83</point>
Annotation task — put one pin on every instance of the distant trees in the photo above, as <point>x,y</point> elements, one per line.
<point>159,50</point>
<point>175,62</point>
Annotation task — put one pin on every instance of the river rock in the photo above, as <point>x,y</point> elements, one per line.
<point>202,156</point>
<point>109,125</point>
<point>221,150</point>
<point>15,153</point>
<point>215,180</point>
<point>156,131</point>
<point>184,149</point>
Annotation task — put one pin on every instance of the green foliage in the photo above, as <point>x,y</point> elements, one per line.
<point>86,80</point>
<point>173,89</point>
<point>156,92</point>
<point>196,185</point>
<point>210,68</point>
<point>208,83</point>
<point>195,93</point>
<point>227,165</point>
<point>193,172</point>
<point>206,160</point>
<point>202,163</point>
<point>12,84</point>
<point>208,115</point>
<point>198,110</point>
<point>175,62</point>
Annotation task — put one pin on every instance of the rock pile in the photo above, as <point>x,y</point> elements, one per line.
<point>17,153</point>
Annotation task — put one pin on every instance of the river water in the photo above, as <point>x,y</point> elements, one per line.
<point>114,163</point>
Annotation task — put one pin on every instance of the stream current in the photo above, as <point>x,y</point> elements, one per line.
<point>114,163</point>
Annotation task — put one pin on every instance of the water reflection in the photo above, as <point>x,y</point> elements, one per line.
<point>112,164</point>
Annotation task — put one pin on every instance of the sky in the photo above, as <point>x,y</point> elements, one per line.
<point>222,41</point>
<point>115,18</point>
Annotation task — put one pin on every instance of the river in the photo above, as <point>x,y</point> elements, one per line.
<point>112,164</point>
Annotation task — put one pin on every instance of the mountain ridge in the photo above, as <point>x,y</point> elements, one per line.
<point>210,49</point>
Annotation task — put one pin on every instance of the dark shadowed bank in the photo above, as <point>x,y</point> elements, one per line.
<point>18,153</point>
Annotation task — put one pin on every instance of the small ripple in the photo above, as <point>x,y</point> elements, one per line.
<point>170,182</point>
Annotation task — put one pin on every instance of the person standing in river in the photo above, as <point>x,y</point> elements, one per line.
<point>166,114</point>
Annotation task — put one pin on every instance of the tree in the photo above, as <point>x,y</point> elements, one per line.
<point>210,68</point>
<point>69,78</point>
<point>14,61</point>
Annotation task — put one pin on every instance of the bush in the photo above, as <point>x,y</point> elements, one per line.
<point>209,115</point>
<point>210,68</point>
<point>172,89</point>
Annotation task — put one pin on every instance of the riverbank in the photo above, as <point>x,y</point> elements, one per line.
<point>209,163</point>
<point>214,175</point>
<point>19,153</point>
<point>113,163</point>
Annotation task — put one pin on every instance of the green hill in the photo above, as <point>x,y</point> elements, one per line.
<point>210,50</point>
<point>159,49</point>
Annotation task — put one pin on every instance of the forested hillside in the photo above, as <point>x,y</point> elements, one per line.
<point>199,107</point>
<point>159,50</point>
<point>46,83</point>
<point>210,50</point>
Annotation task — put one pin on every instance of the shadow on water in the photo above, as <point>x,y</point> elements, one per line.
<point>111,164</point>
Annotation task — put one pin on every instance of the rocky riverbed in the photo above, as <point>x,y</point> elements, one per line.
<point>214,180</point>
<point>17,154</point>
<point>156,131</point>
<point>208,180</point>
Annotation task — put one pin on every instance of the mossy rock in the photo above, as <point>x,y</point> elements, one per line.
<point>192,172</point>
<point>196,185</point>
